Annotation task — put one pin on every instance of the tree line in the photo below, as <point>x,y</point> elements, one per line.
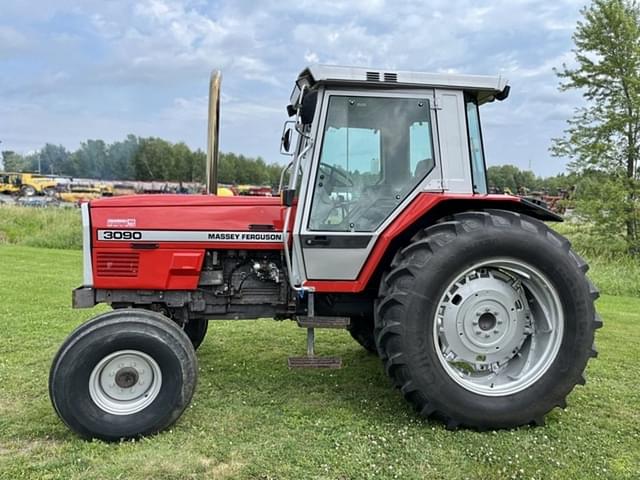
<point>143,159</point>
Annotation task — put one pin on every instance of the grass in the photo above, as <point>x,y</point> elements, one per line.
<point>252,418</point>
<point>41,227</point>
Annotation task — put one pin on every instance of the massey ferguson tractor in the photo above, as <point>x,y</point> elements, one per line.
<point>481,314</point>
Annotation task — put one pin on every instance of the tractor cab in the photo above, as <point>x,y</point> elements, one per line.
<point>368,142</point>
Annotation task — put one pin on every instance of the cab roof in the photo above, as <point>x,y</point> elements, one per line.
<point>485,88</point>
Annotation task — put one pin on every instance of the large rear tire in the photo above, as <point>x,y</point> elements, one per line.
<point>123,374</point>
<point>486,320</point>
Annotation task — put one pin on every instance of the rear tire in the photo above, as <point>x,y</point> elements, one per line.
<point>513,367</point>
<point>123,374</point>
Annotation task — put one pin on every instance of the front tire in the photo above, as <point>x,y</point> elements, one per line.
<point>123,374</point>
<point>487,320</point>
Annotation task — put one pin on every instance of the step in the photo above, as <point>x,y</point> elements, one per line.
<point>324,322</point>
<point>315,362</point>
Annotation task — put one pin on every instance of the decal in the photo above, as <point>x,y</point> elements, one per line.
<point>121,222</point>
<point>188,236</point>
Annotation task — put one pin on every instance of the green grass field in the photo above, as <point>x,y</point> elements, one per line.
<point>253,418</point>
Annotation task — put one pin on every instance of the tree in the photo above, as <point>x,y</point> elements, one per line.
<point>603,135</point>
<point>120,158</point>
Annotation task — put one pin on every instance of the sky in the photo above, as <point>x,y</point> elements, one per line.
<point>71,71</point>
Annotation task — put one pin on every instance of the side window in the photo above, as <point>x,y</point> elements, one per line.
<point>421,148</point>
<point>375,151</point>
<point>478,171</point>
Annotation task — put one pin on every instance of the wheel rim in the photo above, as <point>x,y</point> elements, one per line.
<point>498,327</point>
<point>125,382</point>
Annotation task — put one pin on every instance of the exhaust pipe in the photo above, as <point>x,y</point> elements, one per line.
<point>212,132</point>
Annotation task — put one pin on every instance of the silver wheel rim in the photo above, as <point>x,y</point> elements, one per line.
<point>498,327</point>
<point>125,382</point>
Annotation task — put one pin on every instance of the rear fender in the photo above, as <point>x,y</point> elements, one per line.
<point>447,207</point>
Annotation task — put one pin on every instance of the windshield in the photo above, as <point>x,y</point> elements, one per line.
<point>375,151</point>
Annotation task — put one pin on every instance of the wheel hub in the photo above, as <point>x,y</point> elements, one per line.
<point>125,382</point>
<point>127,377</point>
<point>484,320</point>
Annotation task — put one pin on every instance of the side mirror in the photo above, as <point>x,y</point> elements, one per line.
<point>287,143</point>
<point>286,196</point>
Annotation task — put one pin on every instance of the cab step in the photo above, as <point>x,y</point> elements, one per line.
<point>315,362</point>
<point>323,322</point>
<point>310,322</point>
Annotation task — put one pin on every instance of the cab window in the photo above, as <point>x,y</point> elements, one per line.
<point>375,151</point>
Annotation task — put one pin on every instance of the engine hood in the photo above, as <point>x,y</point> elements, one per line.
<point>183,201</point>
<point>187,213</point>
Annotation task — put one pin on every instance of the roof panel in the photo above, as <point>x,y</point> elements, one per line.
<point>332,74</point>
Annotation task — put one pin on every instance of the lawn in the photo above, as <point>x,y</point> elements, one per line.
<point>253,418</point>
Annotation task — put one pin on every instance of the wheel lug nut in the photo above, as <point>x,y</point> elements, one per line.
<point>495,314</point>
<point>486,335</point>
<point>478,314</point>
<point>499,322</point>
<point>496,331</point>
<point>475,322</point>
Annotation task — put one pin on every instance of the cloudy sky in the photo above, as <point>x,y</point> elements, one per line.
<point>74,70</point>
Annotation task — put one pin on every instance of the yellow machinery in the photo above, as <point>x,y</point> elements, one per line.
<point>27,184</point>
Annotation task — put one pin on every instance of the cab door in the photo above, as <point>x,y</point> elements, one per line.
<point>374,152</point>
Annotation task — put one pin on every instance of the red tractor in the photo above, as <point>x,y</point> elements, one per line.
<point>481,314</point>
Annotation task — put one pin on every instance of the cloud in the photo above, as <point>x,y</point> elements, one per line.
<point>102,69</point>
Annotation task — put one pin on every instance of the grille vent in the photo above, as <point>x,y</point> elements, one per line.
<point>373,76</point>
<point>390,77</point>
<point>110,264</point>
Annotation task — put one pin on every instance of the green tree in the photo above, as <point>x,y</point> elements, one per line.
<point>12,161</point>
<point>603,135</point>
<point>120,157</point>
<point>52,159</point>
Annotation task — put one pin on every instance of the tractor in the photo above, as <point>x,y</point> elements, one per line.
<point>481,314</point>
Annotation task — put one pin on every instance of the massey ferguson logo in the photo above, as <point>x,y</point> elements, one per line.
<point>187,236</point>
<point>245,237</point>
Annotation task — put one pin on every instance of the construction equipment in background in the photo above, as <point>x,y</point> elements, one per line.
<point>26,184</point>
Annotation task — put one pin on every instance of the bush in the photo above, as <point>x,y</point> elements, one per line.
<point>41,227</point>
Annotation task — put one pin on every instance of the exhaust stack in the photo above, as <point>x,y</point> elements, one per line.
<point>212,132</point>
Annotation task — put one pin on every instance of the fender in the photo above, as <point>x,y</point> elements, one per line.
<point>425,210</point>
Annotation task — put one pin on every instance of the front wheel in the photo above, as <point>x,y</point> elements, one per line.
<point>123,374</point>
<point>487,320</point>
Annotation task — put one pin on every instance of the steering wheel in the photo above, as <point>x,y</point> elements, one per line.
<point>332,176</point>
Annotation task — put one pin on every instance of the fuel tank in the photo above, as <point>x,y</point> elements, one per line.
<point>158,242</point>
